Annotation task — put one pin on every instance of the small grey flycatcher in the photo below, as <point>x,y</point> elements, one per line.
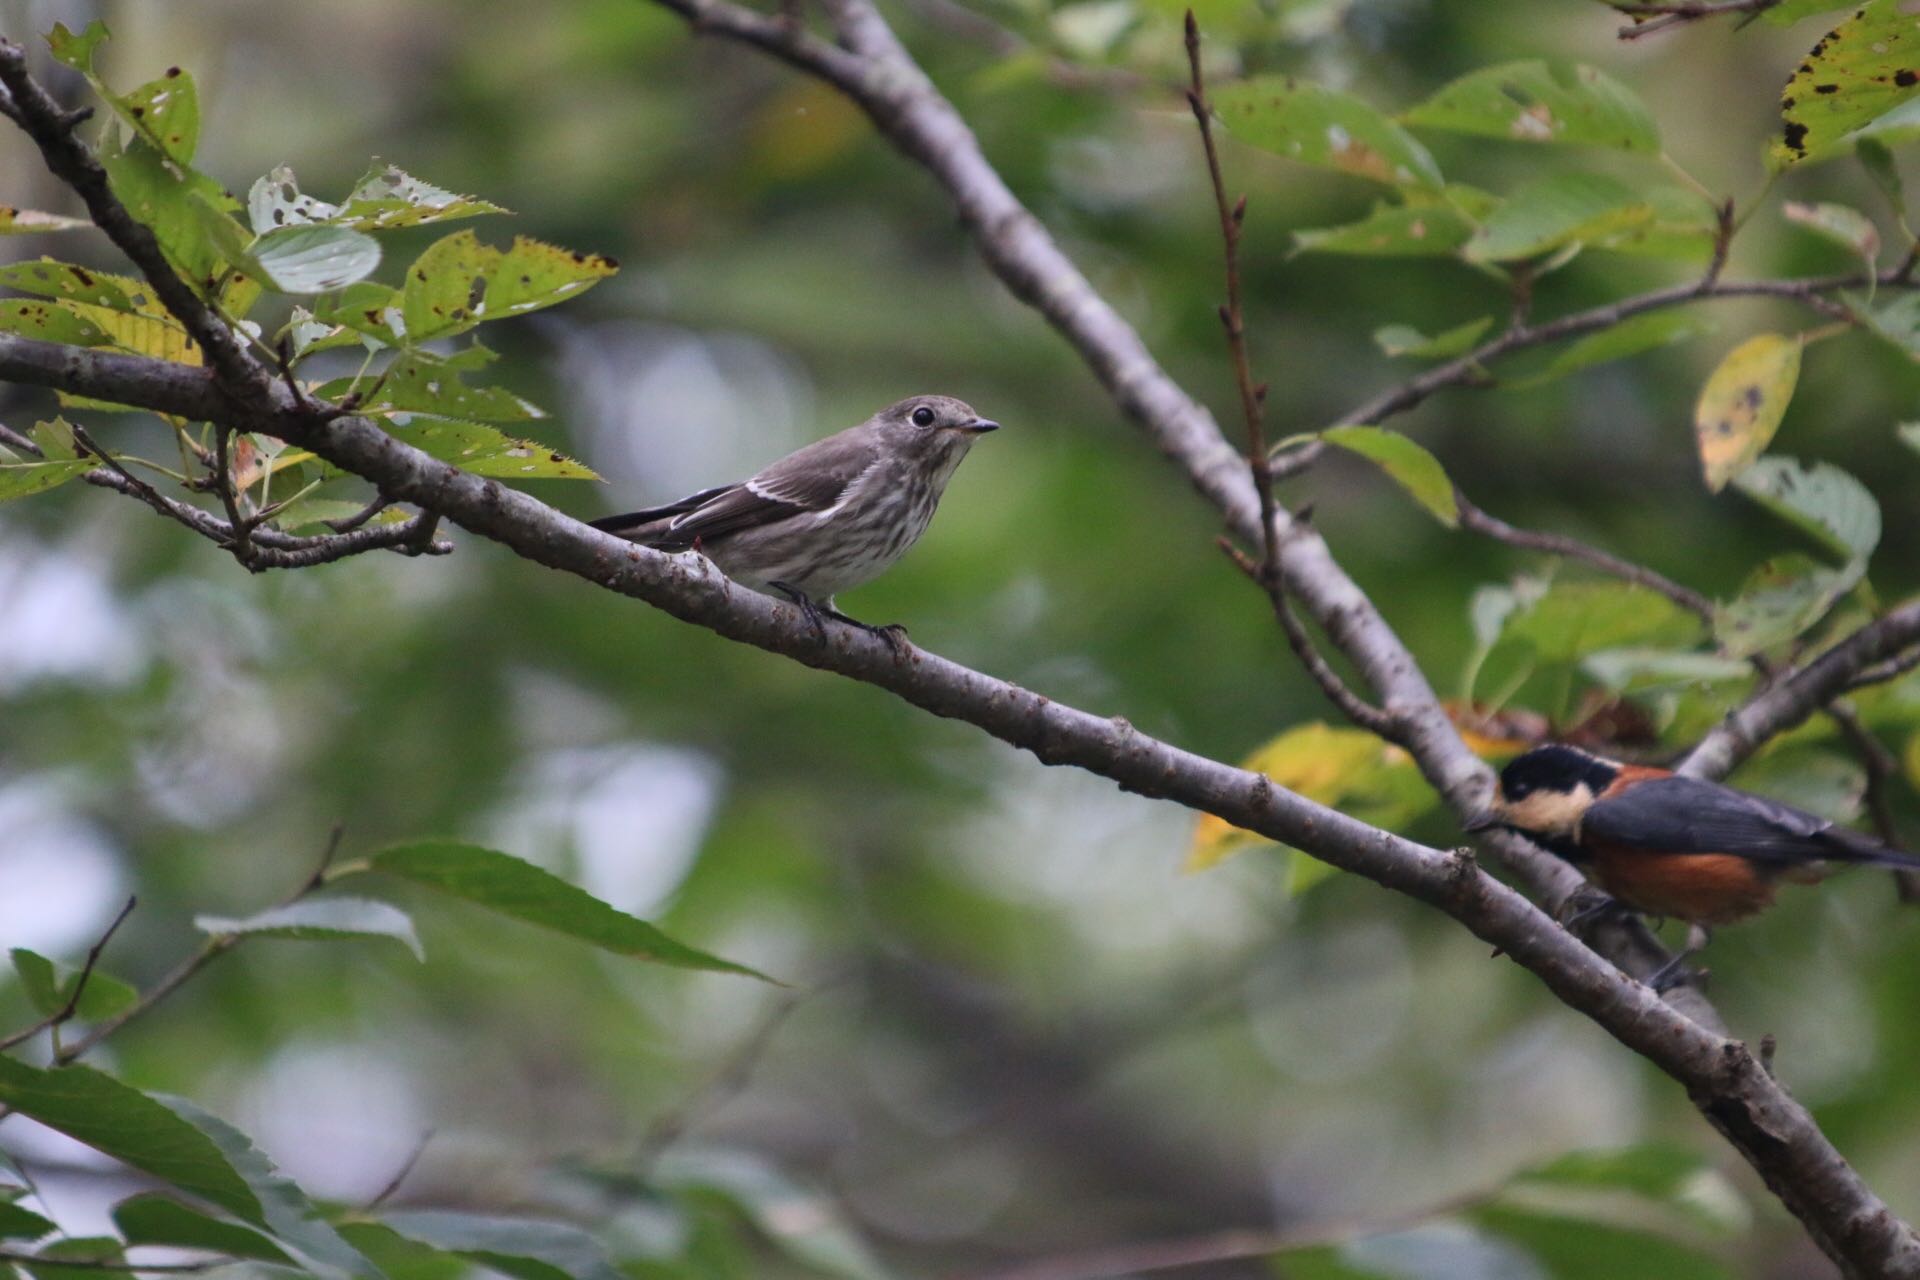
<point>828,517</point>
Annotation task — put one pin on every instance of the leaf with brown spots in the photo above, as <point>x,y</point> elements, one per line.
<point>1538,101</point>
<point>166,112</point>
<point>1315,125</point>
<point>1861,70</point>
<point>24,222</point>
<point>1742,403</point>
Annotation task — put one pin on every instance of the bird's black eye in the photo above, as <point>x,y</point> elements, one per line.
<point>923,417</point>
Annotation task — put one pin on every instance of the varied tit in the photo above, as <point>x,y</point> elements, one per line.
<point>1666,845</point>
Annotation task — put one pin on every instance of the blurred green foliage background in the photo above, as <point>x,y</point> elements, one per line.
<point>1015,1028</point>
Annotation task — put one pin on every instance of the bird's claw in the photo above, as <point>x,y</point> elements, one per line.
<point>808,609</point>
<point>893,633</point>
<point>1588,906</point>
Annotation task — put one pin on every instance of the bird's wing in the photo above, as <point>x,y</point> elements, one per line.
<point>1686,815</point>
<point>807,480</point>
<point>629,522</point>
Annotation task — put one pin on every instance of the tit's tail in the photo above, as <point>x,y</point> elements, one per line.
<point>651,526</point>
<point>1844,844</point>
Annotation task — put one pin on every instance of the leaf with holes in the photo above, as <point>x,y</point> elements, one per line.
<point>446,287</point>
<point>49,322</point>
<point>66,282</point>
<point>1779,601</point>
<point>323,920</point>
<point>422,383</point>
<point>166,112</point>
<point>1741,405</point>
<point>503,883</point>
<point>532,275</point>
<point>389,196</point>
<point>23,479</point>
<point>1540,101</point>
<point>1551,213</point>
<point>485,450</point>
<point>76,51</point>
<point>1410,465</point>
<point>1858,72</point>
<point>1319,126</point>
<point>276,201</point>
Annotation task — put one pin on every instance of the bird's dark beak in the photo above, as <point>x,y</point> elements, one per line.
<point>980,426</point>
<point>1484,820</point>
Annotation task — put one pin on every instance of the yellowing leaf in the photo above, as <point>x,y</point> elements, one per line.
<point>20,222</point>
<point>1859,71</point>
<point>1742,403</point>
<point>1345,768</point>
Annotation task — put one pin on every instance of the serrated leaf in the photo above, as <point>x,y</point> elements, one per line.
<point>95,1109</point>
<point>1348,769</point>
<point>1551,213</point>
<point>47,278</point>
<point>1410,465</point>
<point>314,259</point>
<point>276,201</point>
<point>26,222</point>
<point>1405,340</point>
<point>181,206</point>
<point>49,322</point>
<point>166,112</point>
<point>1630,338</point>
<point>445,287</point>
<point>279,1205</point>
<point>1393,231</point>
<point>485,450</point>
<point>157,1220</point>
<point>23,479</point>
<point>1319,126</point>
<point>76,51</point>
<point>528,1248</point>
<point>50,986</point>
<point>1823,501</point>
<point>1538,101</point>
<point>418,382</point>
<point>1741,405</point>
<point>368,308</point>
<point>140,333</point>
<point>323,919</point>
<point>1848,228</point>
<point>389,197</point>
<point>1861,70</point>
<point>532,275</point>
<point>1780,600</point>
<point>505,884</point>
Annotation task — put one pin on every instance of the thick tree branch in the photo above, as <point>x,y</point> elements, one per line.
<point>1789,701</point>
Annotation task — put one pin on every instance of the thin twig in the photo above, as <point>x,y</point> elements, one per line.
<point>1678,12</point>
<point>726,1080</point>
<point>1475,520</point>
<point>400,1175</point>
<point>66,1011</point>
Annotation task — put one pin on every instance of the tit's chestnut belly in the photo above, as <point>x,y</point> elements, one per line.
<point>1706,888</point>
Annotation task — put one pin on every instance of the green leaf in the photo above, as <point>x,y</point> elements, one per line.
<point>56,440</point>
<point>484,450</point>
<point>166,112</point>
<point>1630,338</point>
<point>27,222</point>
<point>1909,433</point>
<point>532,275</point>
<point>445,287</point>
<point>277,1204</point>
<point>1824,783</point>
<point>1404,340</point>
<point>323,919</point>
<point>1538,101</point>
<point>21,1224</point>
<point>1848,228</point>
<point>1410,465</point>
<point>1575,619</point>
<point>23,479</point>
<point>1393,231</point>
<point>79,1249</point>
<point>1319,126</point>
<point>368,308</point>
<point>181,207</point>
<point>47,278</point>
<point>1565,209</point>
<point>95,1109</point>
<point>1878,162</point>
<point>389,197</point>
<point>154,1219</point>
<point>1780,600</point>
<point>422,383</point>
<point>1638,670</point>
<point>1823,501</point>
<point>1896,321</point>
<point>528,1248</point>
<point>503,883</point>
<point>1741,405</point>
<point>49,322</point>
<point>76,51</point>
<point>303,260</point>
<point>804,1224</point>
<point>1791,11</point>
<point>50,986</point>
<point>1858,72</point>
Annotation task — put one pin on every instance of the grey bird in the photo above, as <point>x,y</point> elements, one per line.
<point>828,517</point>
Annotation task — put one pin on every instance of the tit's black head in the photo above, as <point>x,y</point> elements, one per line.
<point>1555,768</point>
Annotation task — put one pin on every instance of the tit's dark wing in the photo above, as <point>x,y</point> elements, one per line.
<point>1686,815</point>
<point>807,480</point>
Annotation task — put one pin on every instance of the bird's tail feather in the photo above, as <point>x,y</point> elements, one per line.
<point>1851,846</point>
<point>633,521</point>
